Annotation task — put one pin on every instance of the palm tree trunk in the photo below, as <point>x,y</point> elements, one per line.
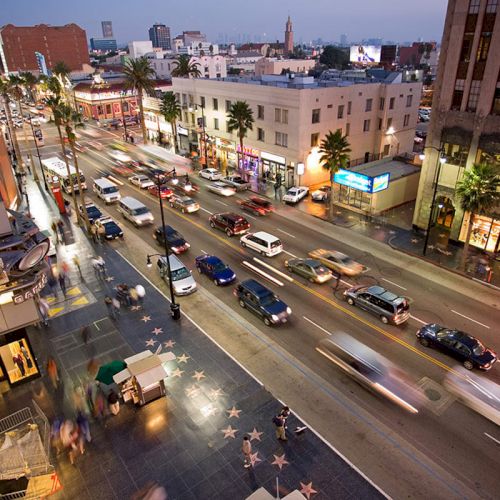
<point>15,144</point>
<point>174,132</point>
<point>143,123</point>
<point>80,190</point>
<point>331,204</point>
<point>242,153</point>
<point>463,260</point>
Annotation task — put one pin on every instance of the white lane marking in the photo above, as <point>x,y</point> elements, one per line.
<point>291,254</point>
<point>284,232</point>
<point>347,283</point>
<point>470,319</point>
<point>273,269</point>
<point>251,217</point>
<point>115,180</point>
<point>316,325</point>
<point>491,437</point>
<point>203,251</point>
<point>272,279</point>
<point>418,319</point>
<point>205,210</point>
<point>395,284</point>
<point>222,203</point>
<point>95,324</point>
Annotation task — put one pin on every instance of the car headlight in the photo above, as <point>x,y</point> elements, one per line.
<point>288,310</point>
<point>274,318</point>
<point>187,245</point>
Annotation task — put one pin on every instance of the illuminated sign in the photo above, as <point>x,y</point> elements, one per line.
<point>362,182</point>
<point>365,54</point>
<point>248,151</point>
<point>380,182</point>
<point>29,293</point>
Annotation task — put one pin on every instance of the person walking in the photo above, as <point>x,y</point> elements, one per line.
<point>141,293</point>
<point>76,262</point>
<point>53,372</point>
<point>55,231</point>
<point>101,234</point>
<point>113,403</point>
<point>43,307</point>
<point>99,266</point>
<point>85,333</point>
<point>246,448</point>
<point>279,422</point>
<point>134,296</point>
<point>60,229</point>
<point>116,307</point>
<point>62,282</point>
<point>93,233</point>
<point>109,306</point>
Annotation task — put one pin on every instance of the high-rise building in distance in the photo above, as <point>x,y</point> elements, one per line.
<point>107,29</point>
<point>159,34</point>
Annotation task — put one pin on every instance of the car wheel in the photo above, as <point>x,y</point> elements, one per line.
<point>267,322</point>
<point>229,232</point>
<point>384,319</point>
<point>423,341</point>
<point>350,301</point>
<point>243,244</point>
<point>212,225</point>
<point>242,304</point>
<point>469,365</point>
<point>198,268</point>
<point>216,282</point>
<point>263,252</point>
<point>183,211</point>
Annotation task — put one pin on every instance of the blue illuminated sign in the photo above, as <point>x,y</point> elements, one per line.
<point>362,182</point>
<point>380,182</point>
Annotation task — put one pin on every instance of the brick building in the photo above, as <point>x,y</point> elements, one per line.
<point>18,45</point>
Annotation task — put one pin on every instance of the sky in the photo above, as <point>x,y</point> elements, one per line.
<point>397,20</point>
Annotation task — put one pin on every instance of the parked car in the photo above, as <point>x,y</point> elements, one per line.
<point>215,269</point>
<point>142,181</point>
<point>389,307</point>
<point>93,212</point>
<point>262,301</point>
<point>175,240</point>
<point>163,192</point>
<point>295,194</point>
<point>262,242</point>
<point>462,346</point>
<point>311,269</point>
<point>183,282</point>
<point>212,174</point>
<point>221,189</point>
<point>111,229</point>
<point>337,261</point>
<point>257,205</point>
<point>184,203</point>
<point>230,223</point>
<point>236,182</point>
<point>321,194</point>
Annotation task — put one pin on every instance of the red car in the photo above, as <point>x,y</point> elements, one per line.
<point>164,191</point>
<point>123,170</point>
<point>257,206</point>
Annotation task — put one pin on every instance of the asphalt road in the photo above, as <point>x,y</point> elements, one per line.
<point>453,436</point>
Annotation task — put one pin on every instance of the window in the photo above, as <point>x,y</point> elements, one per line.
<point>314,140</point>
<point>381,104</point>
<point>391,102</point>
<point>349,106</point>
<point>389,123</point>
<point>387,149</point>
<point>366,126</point>
<point>260,112</point>
<point>347,128</point>
<point>315,115</point>
<point>458,94</point>
<point>227,128</point>
<point>475,89</point>
<point>281,115</point>
<point>340,112</point>
<point>228,106</point>
<point>406,120</point>
<point>216,123</point>
<point>108,109</point>
<point>330,106</point>
<point>466,47</point>
<point>261,136</point>
<point>284,116</point>
<point>474,6</point>
<point>281,139</point>
<point>491,6</point>
<point>495,109</point>
<point>369,103</point>
<point>215,104</point>
<point>202,101</point>
<point>483,47</point>
<point>409,99</point>
<point>380,121</point>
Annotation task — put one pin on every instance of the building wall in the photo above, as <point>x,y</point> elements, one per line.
<point>267,66</point>
<point>57,43</point>
<point>209,66</point>
<point>8,186</point>
<point>400,191</point>
<point>139,48</point>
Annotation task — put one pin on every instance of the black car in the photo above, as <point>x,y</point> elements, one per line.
<point>175,241</point>
<point>111,229</point>
<point>93,212</point>
<point>462,346</point>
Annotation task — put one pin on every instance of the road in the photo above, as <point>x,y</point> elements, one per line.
<point>452,436</point>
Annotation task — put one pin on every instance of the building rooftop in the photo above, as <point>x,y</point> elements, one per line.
<point>397,168</point>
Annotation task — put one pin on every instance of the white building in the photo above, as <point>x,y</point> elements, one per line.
<point>209,66</point>
<point>199,48</point>
<point>140,48</point>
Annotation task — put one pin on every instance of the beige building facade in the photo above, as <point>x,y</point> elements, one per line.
<point>274,66</point>
<point>465,123</point>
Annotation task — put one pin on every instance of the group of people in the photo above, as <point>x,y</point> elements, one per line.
<point>22,359</point>
<point>58,230</point>
<point>59,274</point>
<point>98,233</point>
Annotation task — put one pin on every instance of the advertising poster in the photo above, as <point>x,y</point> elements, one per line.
<point>367,54</point>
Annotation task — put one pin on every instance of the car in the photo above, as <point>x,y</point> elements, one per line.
<point>117,154</point>
<point>257,205</point>
<point>337,261</point>
<point>183,282</point>
<point>93,212</point>
<point>262,301</point>
<point>230,223</point>
<point>141,180</point>
<point>215,269</point>
<point>184,203</point>
<point>388,306</point>
<point>462,346</point>
<point>163,191</point>
<point>221,189</point>
<point>80,147</point>
<point>111,229</point>
<point>121,169</point>
<point>40,106</point>
<point>262,242</point>
<point>295,194</point>
<point>95,145</point>
<point>186,186</point>
<point>69,154</point>
<point>311,269</point>
<point>237,182</point>
<point>175,240</point>
<point>321,194</point>
<point>212,174</point>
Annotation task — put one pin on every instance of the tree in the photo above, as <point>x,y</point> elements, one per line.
<point>478,192</point>
<point>170,109</point>
<point>334,57</point>
<point>184,68</point>
<point>52,85</point>
<point>240,120</point>
<point>30,81</point>
<point>334,151</point>
<point>139,76</point>
<point>61,72</point>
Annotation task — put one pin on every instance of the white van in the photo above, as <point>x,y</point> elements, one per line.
<point>135,211</point>
<point>262,242</point>
<point>106,190</point>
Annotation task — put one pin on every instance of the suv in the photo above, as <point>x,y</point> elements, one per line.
<point>262,301</point>
<point>230,223</point>
<point>390,308</point>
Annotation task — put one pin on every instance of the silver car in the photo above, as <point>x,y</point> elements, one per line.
<point>183,282</point>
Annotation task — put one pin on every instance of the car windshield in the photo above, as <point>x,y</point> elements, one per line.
<point>347,261</point>
<point>220,266</point>
<point>141,210</point>
<point>275,244</point>
<point>478,349</point>
<point>268,299</point>
<point>174,236</point>
<point>111,189</point>
<point>292,192</point>
<point>180,274</point>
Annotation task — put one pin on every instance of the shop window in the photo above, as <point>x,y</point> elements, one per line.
<point>475,89</point>
<point>387,149</point>
<point>369,104</point>
<point>455,154</point>
<point>406,120</point>
<point>216,123</point>
<point>215,104</point>
<point>18,361</point>
<point>445,212</point>
<point>281,139</point>
<point>381,103</point>
<point>492,159</point>
<point>392,100</point>
<point>340,112</point>
<point>315,115</point>
<point>349,106</point>
<point>458,94</point>
<point>314,140</point>
<point>366,126</point>
<point>485,233</point>
<point>108,109</point>
<point>260,112</point>
<point>261,136</point>
<point>409,100</point>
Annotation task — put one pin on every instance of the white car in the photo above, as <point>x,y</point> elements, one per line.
<point>212,174</point>
<point>295,194</point>
<point>262,242</point>
<point>116,154</point>
<point>142,181</point>
<point>321,194</point>
<point>221,189</point>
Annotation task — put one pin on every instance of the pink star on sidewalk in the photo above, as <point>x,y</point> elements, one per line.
<point>280,461</point>
<point>307,489</point>
<point>146,319</point>
<point>157,331</point>
<point>229,432</point>
<point>177,373</point>
<point>254,458</point>
<point>198,375</point>
<point>182,359</point>
<point>233,412</point>
<point>150,342</point>
<point>169,343</point>
<point>255,434</point>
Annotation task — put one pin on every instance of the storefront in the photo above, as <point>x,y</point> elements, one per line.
<point>485,233</point>
<point>249,161</point>
<point>272,165</point>
<point>17,362</point>
<point>183,137</point>
<point>226,152</point>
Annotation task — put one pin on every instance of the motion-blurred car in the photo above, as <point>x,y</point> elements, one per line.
<point>111,229</point>
<point>164,192</point>
<point>95,145</point>
<point>371,370</point>
<point>80,148</point>
<point>462,346</point>
<point>237,182</point>
<point>183,282</point>
<point>212,174</point>
<point>337,261</point>
<point>121,169</point>
<point>321,194</point>
<point>184,203</point>
<point>93,212</point>
<point>186,186</point>
<point>215,269</point>
<point>230,223</point>
<point>257,205</point>
<point>118,155</point>
<point>311,269</point>
<point>175,240</point>
<point>221,189</point>
<point>142,181</point>
<point>295,194</point>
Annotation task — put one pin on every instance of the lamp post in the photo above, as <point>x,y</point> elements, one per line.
<point>122,93</point>
<point>175,309</point>
<point>204,143</point>
<point>440,161</point>
<point>39,157</point>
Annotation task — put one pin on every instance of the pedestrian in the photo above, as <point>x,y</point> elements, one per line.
<point>285,412</point>
<point>134,296</point>
<point>69,438</point>
<point>93,233</point>
<point>141,293</point>
<point>84,428</point>
<point>76,262</point>
<point>101,234</point>
<point>109,306</point>
<point>67,207</point>
<point>60,229</point>
<point>18,360</point>
<point>336,277</point>
<point>99,266</point>
<point>113,403</point>
<point>246,448</point>
<point>116,307</point>
<point>52,282</point>
<point>279,423</point>
<point>53,372</point>
<point>62,282</point>
<point>55,435</point>
<point>43,307</point>
<point>85,333</point>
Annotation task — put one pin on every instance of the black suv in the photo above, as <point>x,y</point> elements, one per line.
<point>262,302</point>
<point>230,223</point>
<point>175,241</point>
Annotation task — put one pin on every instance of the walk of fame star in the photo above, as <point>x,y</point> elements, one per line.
<point>135,308</point>
<point>216,393</point>
<point>110,278</point>
<point>177,373</point>
<point>280,461</point>
<point>192,391</point>
<point>229,432</point>
<point>146,319</point>
<point>183,359</point>
<point>157,331</point>
<point>198,375</point>
<point>233,412</point>
<point>307,489</point>
<point>255,434</point>
<point>150,342</point>
<point>254,458</point>
<point>169,343</point>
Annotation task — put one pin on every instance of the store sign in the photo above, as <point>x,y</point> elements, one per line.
<point>248,151</point>
<point>182,130</point>
<point>380,182</point>
<point>274,158</point>
<point>29,293</point>
<point>362,182</point>
<point>300,169</point>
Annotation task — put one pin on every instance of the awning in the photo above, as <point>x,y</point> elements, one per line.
<point>151,376</point>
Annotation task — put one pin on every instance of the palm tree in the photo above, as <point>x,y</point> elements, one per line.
<point>30,81</point>
<point>241,120</point>
<point>170,109</point>
<point>139,76</point>
<point>334,151</point>
<point>478,191</point>
<point>184,68</point>
<point>61,72</point>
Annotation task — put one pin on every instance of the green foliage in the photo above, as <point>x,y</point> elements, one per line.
<point>240,118</point>
<point>184,68</point>
<point>478,191</point>
<point>61,69</point>
<point>139,75</point>
<point>333,57</point>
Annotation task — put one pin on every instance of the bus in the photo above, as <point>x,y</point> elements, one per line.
<point>56,171</point>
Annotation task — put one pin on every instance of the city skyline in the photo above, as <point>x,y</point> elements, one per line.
<point>263,21</point>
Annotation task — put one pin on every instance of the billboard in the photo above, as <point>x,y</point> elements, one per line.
<point>365,54</point>
<point>362,182</point>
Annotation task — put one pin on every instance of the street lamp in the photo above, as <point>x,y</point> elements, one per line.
<point>440,161</point>
<point>204,143</point>
<point>175,309</point>
<point>38,154</point>
<point>123,93</point>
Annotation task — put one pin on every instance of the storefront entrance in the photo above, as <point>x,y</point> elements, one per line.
<point>354,198</point>
<point>272,165</point>
<point>485,233</point>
